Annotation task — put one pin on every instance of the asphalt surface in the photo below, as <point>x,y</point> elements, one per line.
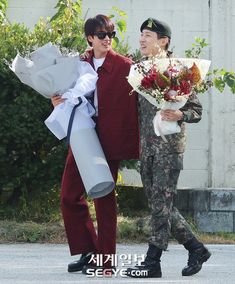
<point>47,264</point>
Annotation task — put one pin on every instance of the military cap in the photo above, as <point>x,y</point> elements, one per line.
<point>156,26</point>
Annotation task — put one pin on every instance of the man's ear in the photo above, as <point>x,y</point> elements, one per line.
<point>163,41</point>
<point>90,38</point>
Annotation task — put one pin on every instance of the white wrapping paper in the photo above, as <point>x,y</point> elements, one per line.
<point>90,159</point>
<point>163,127</point>
<point>58,121</point>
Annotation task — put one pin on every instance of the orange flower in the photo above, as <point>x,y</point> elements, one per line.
<point>194,73</point>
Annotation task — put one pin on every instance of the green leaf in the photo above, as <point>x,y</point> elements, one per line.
<point>222,72</point>
<point>196,48</point>
<point>121,25</point>
<point>233,89</point>
<point>229,80</point>
<point>115,42</point>
<point>219,84</point>
<point>121,13</point>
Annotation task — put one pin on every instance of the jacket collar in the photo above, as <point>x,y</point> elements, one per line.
<point>108,62</point>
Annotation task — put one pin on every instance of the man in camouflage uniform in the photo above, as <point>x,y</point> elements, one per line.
<point>161,163</point>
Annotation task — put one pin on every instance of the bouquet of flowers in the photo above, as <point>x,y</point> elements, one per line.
<point>167,84</point>
<point>50,72</point>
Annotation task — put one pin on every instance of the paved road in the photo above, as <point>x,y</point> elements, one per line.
<point>47,264</point>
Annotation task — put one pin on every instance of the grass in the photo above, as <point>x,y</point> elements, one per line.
<point>31,232</point>
<point>130,230</point>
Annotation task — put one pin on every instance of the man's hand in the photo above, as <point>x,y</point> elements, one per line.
<point>56,100</point>
<point>171,115</point>
<point>86,53</point>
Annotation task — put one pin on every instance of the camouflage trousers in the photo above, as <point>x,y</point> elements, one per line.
<point>160,186</point>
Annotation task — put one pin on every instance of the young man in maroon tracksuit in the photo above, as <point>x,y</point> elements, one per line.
<point>117,127</point>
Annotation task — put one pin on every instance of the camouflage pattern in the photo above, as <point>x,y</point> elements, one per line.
<point>161,163</point>
<point>160,187</point>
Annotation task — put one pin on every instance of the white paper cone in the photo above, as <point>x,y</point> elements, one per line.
<point>91,162</point>
<point>163,127</point>
<point>58,120</point>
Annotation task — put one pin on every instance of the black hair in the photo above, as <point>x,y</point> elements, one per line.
<point>92,25</point>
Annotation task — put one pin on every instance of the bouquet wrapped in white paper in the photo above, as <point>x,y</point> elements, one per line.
<point>46,70</point>
<point>167,84</point>
<point>49,72</point>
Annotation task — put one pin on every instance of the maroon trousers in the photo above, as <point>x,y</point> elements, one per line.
<point>81,234</point>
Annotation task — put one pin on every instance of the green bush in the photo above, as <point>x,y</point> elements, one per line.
<point>131,201</point>
<point>133,229</point>
<point>31,158</point>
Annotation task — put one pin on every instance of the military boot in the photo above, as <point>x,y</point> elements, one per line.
<point>198,254</point>
<point>150,267</point>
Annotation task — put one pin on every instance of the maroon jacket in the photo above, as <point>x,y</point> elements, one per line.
<point>117,111</point>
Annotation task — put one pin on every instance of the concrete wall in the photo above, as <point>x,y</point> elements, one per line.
<point>30,11</point>
<point>210,154</point>
<point>222,107</point>
<point>212,210</point>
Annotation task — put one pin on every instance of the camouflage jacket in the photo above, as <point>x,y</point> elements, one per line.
<point>170,153</point>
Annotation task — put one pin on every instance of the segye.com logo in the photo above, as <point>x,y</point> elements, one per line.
<point>115,272</point>
<point>108,272</point>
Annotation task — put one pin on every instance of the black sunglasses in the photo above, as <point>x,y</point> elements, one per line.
<point>102,35</point>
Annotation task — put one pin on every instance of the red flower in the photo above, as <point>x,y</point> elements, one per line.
<point>176,80</point>
<point>148,81</point>
<point>185,87</point>
<point>175,87</point>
